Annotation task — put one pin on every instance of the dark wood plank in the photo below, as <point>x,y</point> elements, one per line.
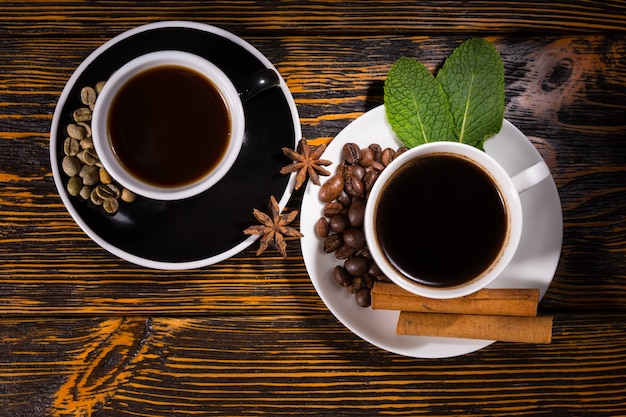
<point>296,365</point>
<point>566,93</point>
<point>315,17</point>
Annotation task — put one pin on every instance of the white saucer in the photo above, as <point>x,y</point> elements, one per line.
<point>533,266</point>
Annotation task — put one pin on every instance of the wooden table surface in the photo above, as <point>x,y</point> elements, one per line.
<point>85,333</point>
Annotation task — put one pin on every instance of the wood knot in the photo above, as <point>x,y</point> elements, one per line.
<point>561,72</point>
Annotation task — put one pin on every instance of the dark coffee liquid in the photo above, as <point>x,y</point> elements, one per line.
<point>169,126</point>
<point>441,220</point>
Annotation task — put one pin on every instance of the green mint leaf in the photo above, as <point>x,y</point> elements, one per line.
<point>416,106</point>
<point>473,80</point>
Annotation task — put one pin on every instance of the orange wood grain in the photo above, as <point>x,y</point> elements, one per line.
<point>319,16</point>
<point>296,364</point>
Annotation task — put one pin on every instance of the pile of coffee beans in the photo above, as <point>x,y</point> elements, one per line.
<point>87,177</point>
<point>341,226</point>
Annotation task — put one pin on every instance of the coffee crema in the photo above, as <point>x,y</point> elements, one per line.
<point>169,126</point>
<point>441,220</point>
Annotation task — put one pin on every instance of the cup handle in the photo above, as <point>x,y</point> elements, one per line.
<point>531,176</point>
<point>256,83</point>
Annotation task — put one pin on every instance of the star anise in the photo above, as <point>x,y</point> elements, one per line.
<point>273,229</point>
<point>306,163</point>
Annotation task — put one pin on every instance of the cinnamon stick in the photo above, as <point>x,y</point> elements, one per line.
<point>508,302</point>
<point>467,326</point>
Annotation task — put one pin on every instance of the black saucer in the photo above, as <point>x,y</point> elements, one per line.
<point>207,228</point>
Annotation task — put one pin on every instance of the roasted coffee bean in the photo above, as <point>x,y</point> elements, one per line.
<point>378,165</point>
<point>374,270</point>
<point>344,198</point>
<point>387,156</point>
<point>357,284</point>
<point>348,172</point>
<point>322,227</point>
<point>364,252</point>
<point>340,168</point>
<point>364,297</point>
<point>332,243</point>
<point>358,172</point>
<point>367,157</point>
<point>369,280</point>
<point>341,276</point>
<point>369,179</point>
<point>331,189</point>
<point>356,265</point>
<point>383,278</point>
<point>351,153</point>
<point>354,187</point>
<point>356,212</point>
<point>344,252</point>
<point>338,223</point>
<point>377,151</point>
<point>354,237</point>
<point>332,208</point>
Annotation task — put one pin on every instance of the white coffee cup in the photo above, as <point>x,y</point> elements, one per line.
<point>509,189</point>
<point>232,97</point>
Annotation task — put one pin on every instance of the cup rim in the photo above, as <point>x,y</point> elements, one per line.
<point>514,217</point>
<point>152,60</point>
